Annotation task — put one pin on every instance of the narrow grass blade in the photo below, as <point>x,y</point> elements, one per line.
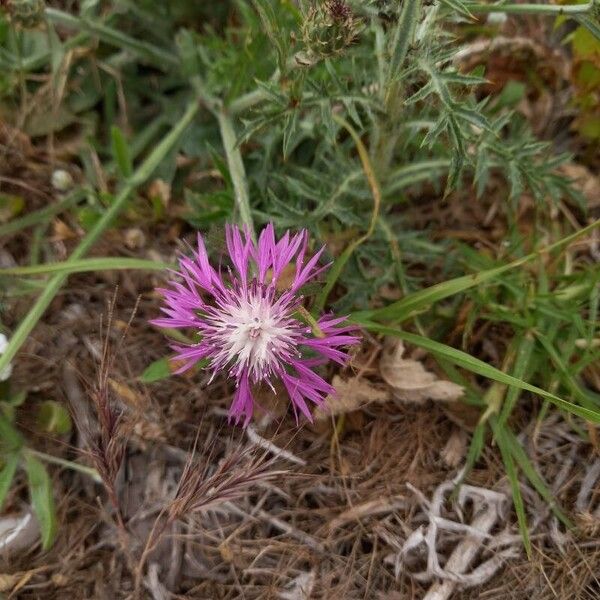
<point>11,462</point>
<point>521,367</point>
<point>42,499</point>
<point>475,448</point>
<point>466,361</point>
<point>43,215</point>
<point>142,173</point>
<point>403,309</point>
<point>528,469</point>
<point>86,265</point>
<point>120,151</point>
<point>511,472</point>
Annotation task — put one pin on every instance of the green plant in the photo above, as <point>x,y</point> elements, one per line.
<point>330,116</point>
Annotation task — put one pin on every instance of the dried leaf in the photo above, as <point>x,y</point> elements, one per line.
<point>585,182</point>
<point>160,189</point>
<point>300,588</point>
<point>7,581</point>
<point>455,450</point>
<point>411,382</point>
<point>351,394</point>
<point>134,238</point>
<point>61,231</point>
<point>130,396</point>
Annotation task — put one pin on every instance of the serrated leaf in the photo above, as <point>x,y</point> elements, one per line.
<point>289,129</point>
<point>590,24</point>
<point>459,78</point>
<point>475,118</point>
<point>420,94</point>
<point>155,371</point>
<point>402,37</point>
<point>42,499</point>
<point>459,7</point>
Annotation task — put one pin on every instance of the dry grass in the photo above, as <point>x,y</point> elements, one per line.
<point>224,523</point>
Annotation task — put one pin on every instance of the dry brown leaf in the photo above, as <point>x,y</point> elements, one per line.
<point>351,394</point>
<point>130,396</point>
<point>134,238</point>
<point>410,381</point>
<point>455,450</point>
<point>585,182</point>
<point>8,581</point>
<point>160,189</point>
<point>59,580</point>
<point>462,414</point>
<point>61,231</point>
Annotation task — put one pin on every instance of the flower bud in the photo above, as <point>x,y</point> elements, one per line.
<point>329,27</point>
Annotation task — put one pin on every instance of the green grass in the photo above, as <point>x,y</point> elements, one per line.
<point>340,144</point>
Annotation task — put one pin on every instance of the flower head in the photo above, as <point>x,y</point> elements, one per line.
<point>251,329</point>
<point>329,27</point>
<point>6,372</point>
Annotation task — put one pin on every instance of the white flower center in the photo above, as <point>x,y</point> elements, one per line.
<point>254,335</point>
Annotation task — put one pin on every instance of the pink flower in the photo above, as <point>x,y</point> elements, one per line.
<point>248,327</point>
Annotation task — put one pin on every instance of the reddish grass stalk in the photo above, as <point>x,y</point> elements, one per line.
<point>199,490</point>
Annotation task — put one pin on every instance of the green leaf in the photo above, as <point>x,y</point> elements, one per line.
<point>53,418</point>
<point>7,474</point>
<point>590,24</point>
<point>156,371</point>
<point>10,206</point>
<point>85,265</point>
<point>272,28</point>
<point>10,438</point>
<point>521,367</point>
<point>42,500</point>
<point>528,469</point>
<point>18,398</point>
<point>120,150</point>
<point>466,361</point>
<point>403,309</point>
<point>459,7</point>
<point>475,448</point>
<point>402,37</point>
<point>513,478</point>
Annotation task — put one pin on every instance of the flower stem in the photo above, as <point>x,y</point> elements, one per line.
<point>532,9</point>
<point>140,175</point>
<point>236,169</point>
